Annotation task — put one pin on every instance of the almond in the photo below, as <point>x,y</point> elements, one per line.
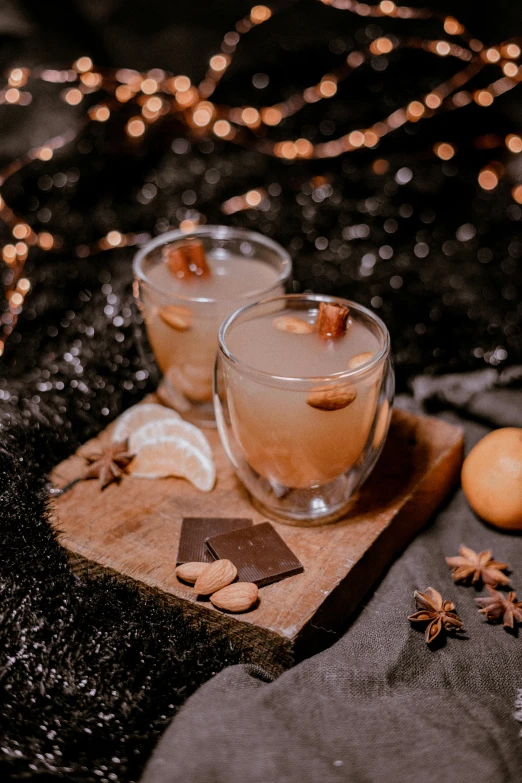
<point>216,575</point>
<point>289,323</point>
<point>189,572</point>
<point>179,318</point>
<point>359,359</point>
<point>238,597</point>
<point>332,398</point>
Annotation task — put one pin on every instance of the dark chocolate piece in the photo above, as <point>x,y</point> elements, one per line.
<point>259,554</point>
<point>194,532</point>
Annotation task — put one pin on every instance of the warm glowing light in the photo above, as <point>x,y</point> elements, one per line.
<point>222,128</point>
<point>149,86</point>
<point>123,93</point>
<point>488,179</point>
<point>461,98</point>
<point>483,98</point>
<point>91,79</point>
<point>380,166</point>
<point>443,48</point>
<point>444,151</point>
<point>452,26</point>
<point>100,113</point>
<point>135,127</point>
<point>381,46</point>
<point>415,110</point>
<point>512,50</point>
<point>514,143</point>
<point>187,98</point>
<point>286,150</point>
<point>16,299</point>
<point>17,77</point>
<point>45,153</point>
<point>304,148</point>
<point>202,114</point>
<point>432,101</point>
<point>271,116</point>
<point>21,231</point>
<point>250,116</point>
<point>492,55</point>
<point>327,87</point>
<point>83,64</point>
<point>218,63</point>
<point>21,249</point>
<point>370,139</point>
<point>355,59</point>
<point>187,226</point>
<point>387,7</point>
<point>9,253</point>
<point>253,198</point>
<point>181,83</point>
<point>510,69</point>
<point>356,138</point>
<point>260,13</point>
<point>517,193</point>
<point>114,238</point>
<point>12,95</point>
<point>73,96</point>
<point>154,104</point>
<point>45,240</point>
<point>23,285</point>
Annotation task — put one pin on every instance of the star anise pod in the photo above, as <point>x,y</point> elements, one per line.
<point>108,465</point>
<point>500,606</point>
<point>437,613</point>
<point>472,567</point>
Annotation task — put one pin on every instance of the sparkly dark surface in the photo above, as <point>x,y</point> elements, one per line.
<point>90,672</point>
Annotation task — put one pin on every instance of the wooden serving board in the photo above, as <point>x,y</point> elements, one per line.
<point>133,530</point>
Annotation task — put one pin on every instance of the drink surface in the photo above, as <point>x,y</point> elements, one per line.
<point>262,346</point>
<point>231,277</point>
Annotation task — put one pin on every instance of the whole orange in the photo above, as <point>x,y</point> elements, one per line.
<point>492,478</point>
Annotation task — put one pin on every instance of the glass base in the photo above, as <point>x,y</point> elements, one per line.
<point>199,413</point>
<point>306,519</point>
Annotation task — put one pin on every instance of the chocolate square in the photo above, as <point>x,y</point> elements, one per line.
<point>258,552</point>
<point>194,532</point>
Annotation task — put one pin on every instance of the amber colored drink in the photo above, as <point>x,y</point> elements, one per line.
<point>305,411</point>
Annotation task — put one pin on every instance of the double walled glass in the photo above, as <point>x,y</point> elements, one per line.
<point>300,464</point>
<point>246,266</point>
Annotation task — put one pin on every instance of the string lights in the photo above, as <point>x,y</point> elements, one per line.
<point>157,93</point>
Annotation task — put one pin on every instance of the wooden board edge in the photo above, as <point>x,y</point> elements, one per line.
<point>259,646</point>
<point>334,615</point>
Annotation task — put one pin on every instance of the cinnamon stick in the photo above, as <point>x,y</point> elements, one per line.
<point>331,320</point>
<point>187,260</point>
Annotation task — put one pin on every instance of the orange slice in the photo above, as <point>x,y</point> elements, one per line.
<point>173,456</point>
<point>154,431</point>
<point>136,417</point>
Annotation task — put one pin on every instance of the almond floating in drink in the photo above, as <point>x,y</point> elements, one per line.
<point>305,382</point>
<point>187,287</point>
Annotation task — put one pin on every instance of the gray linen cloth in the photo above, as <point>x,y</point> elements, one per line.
<point>379,706</point>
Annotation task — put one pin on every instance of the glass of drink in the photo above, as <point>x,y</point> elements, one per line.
<point>303,392</point>
<point>186,285</point>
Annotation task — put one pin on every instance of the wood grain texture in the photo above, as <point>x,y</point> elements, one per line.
<point>133,530</point>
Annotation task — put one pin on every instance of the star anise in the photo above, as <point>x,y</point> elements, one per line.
<point>108,465</point>
<point>437,613</point>
<point>472,567</point>
<point>500,606</point>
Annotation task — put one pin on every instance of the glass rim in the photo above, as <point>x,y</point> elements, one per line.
<point>216,232</point>
<point>305,381</point>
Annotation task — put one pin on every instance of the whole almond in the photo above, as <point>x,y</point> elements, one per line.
<point>332,398</point>
<point>216,575</point>
<point>189,572</point>
<point>238,597</point>
<point>179,318</point>
<point>289,323</point>
<point>359,359</point>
